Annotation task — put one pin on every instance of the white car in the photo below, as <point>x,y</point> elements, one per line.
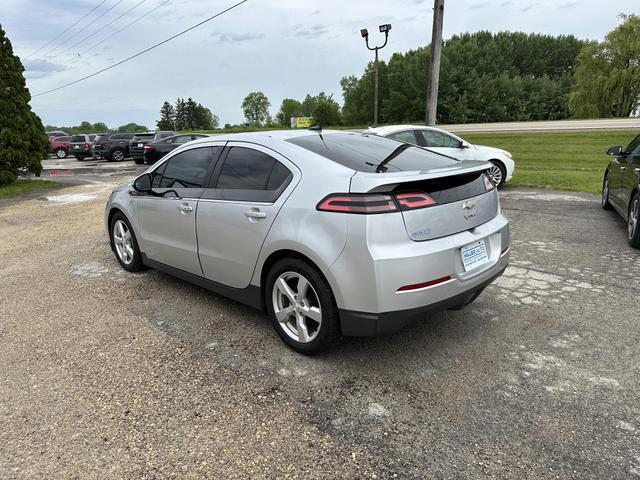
<point>447,143</point>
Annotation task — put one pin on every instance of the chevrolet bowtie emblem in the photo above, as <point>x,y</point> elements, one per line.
<point>469,205</point>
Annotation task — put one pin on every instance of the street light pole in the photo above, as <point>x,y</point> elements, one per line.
<point>434,64</point>
<point>365,34</point>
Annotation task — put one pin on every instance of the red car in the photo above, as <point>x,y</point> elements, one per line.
<point>60,146</point>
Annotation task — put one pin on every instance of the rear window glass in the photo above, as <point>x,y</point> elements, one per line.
<point>78,138</point>
<point>448,189</point>
<point>364,152</point>
<point>143,136</point>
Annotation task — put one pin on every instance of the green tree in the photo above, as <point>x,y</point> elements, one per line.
<point>255,107</point>
<point>167,114</point>
<point>484,77</point>
<point>608,74</point>
<point>23,142</point>
<point>132,128</point>
<point>180,115</point>
<point>289,108</point>
<point>204,119</point>
<point>324,110</point>
<point>100,127</point>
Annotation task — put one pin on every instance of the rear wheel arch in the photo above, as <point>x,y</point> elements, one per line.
<point>274,257</point>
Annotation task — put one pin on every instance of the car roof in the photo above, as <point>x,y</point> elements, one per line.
<point>264,136</point>
<point>388,129</point>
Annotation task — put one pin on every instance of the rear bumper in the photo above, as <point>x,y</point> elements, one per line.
<point>136,153</point>
<point>363,324</point>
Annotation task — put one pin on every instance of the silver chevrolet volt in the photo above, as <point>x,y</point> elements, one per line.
<point>331,233</point>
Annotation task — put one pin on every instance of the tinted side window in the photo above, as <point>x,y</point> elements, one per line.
<point>253,176</point>
<point>634,147</point>
<point>408,136</point>
<point>182,139</point>
<point>437,139</point>
<point>245,169</point>
<point>77,138</point>
<point>187,169</point>
<point>157,175</point>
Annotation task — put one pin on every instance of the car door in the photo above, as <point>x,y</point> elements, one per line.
<point>446,144</point>
<point>168,219</point>
<point>630,172</point>
<point>248,189</point>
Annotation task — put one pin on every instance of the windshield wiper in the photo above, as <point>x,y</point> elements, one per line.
<point>394,154</point>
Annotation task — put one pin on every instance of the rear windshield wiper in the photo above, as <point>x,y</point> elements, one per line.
<point>381,166</point>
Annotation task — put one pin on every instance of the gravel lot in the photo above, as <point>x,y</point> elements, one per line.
<point>106,374</point>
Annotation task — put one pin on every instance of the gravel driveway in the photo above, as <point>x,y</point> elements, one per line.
<point>106,374</point>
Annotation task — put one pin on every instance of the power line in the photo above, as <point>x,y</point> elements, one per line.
<point>143,51</point>
<point>115,33</point>
<point>100,30</point>
<point>66,30</point>
<point>81,30</point>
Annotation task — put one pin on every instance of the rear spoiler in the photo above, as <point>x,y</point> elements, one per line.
<point>366,182</point>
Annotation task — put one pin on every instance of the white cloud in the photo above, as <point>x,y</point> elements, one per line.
<point>286,48</point>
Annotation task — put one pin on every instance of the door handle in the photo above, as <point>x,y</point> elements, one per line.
<point>255,214</point>
<point>185,208</point>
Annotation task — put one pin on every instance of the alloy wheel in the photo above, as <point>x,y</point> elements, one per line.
<point>297,307</point>
<point>60,153</point>
<point>118,155</point>
<point>123,242</point>
<point>633,217</point>
<point>495,174</point>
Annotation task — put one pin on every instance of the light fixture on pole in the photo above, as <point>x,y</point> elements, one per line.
<point>386,28</point>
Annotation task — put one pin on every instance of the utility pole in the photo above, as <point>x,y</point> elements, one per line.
<point>365,34</point>
<point>434,63</point>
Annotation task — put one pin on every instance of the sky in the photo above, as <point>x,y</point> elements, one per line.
<point>284,48</point>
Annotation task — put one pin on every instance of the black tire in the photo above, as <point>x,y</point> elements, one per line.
<point>135,265</point>
<point>606,204</point>
<point>633,221</point>
<point>328,332</point>
<point>79,158</point>
<point>503,172</point>
<point>61,153</point>
<point>118,155</point>
<point>138,161</point>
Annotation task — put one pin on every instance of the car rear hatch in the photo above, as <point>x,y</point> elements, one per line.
<point>439,202</point>
<point>436,194</point>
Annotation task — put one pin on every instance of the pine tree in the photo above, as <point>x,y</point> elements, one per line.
<point>167,117</point>
<point>23,142</point>
<point>180,115</point>
<point>190,114</point>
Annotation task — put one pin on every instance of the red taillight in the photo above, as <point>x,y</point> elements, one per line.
<point>488,183</point>
<point>86,145</point>
<point>414,200</point>
<point>148,147</point>
<point>357,203</point>
<point>430,283</point>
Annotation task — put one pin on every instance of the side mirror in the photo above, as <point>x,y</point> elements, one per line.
<point>615,151</point>
<point>142,184</point>
<point>464,144</point>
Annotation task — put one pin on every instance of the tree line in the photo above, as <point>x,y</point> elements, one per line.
<point>98,127</point>
<point>186,115</point>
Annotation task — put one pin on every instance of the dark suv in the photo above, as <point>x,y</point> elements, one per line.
<point>113,146</point>
<point>137,143</point>
<point>80,146</point>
